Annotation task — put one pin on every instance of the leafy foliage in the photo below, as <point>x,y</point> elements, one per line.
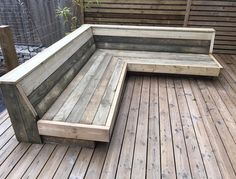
<point>69,16</point>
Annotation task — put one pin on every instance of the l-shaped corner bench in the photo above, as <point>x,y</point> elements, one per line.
<point>71,90</point>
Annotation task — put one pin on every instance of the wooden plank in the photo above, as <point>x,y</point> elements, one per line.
<point>125,161</point>
<point>53,162</point>
<point>175,69</point>
<point>72,99</point>
<point>174,47</point>
<point>62,83</point>
<point>63,49</point>
<point>188,9</point>
<point>141,2</point>
<point>140,149</point>
<point>22,118</point>
<point>82,163</point>
<point>8,48</point>
<point>226,137</point>
<point>108,97</point>
<point>25,161</point>
<point>222,110</point>
<point>155,32</point>
<point>220,151</point>
<point>7,149</point>
<point>93,105</point>
<point>180,151</point>
<point>67,163</point>
<point>74,130</point>
<point>69,89</point>
<point>195,158</point>
<point>112,158</point>
<point>153,149</point>
<point>167,150</point>
<point>6,136</point>
<point>79,108</point>
<point>116,101</point>
<point>12,160</point>
<point>96,163</point>
<point>207,153</point>
<point>39,162</point>
<point>151,41</point>
<point>78,58</point>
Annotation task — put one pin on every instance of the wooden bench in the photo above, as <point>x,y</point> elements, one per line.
<point>72,89</point>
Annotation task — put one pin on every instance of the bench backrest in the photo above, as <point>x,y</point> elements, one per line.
<point>157,39</point>
<point>44,77</point>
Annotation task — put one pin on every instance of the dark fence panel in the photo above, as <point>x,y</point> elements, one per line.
<point>16,15</point>
<point>33,21</point>
<point>219,14</point>
<point>137,12</point>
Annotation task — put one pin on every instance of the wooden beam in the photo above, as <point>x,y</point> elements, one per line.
<point>187,13</point>
<point>74,130</point>
<point>82,12</point>
<point>8,48</point>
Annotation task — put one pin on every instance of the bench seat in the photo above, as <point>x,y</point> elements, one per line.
<point>171,63</point>
<point>71,91</point>
<point>89,100</point>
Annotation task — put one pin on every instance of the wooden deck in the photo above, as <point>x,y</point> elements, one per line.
<point>167,126</point>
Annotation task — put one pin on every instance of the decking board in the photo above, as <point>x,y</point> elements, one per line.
<point>107,160</point>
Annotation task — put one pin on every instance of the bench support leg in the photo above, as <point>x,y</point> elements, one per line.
<point>23,119</point>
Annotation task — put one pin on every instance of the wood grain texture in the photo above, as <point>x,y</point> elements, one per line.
<point>22,117</point>
<point>210,99</point>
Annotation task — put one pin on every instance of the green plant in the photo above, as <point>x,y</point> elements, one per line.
<point>65,13</point>
<point>69,16</point>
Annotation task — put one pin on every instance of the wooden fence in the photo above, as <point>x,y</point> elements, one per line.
<point>219,14</point>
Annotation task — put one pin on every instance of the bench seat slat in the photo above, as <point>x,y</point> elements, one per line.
<point>106,102</point>
<point>69,89</point>
<point>84,99</point>
<point>93,105</point>
<point>59,87</point>
<point>72,99</point>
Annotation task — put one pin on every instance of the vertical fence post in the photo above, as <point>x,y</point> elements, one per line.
<point>187,13</point>
<point>8,48</point>
<point>82,12</point>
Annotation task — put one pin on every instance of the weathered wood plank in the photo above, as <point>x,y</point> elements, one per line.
<point>112,158</point>
<point>220,149</point>
<point>167,150</point>
<point>25,161</point>
<point>207,153</point>
<point>23,119</point>
<point>125,161</point>
<point>153,154</point>
<point>8,48</point>
<point>82,163</point>
<point>40,92</point>
<point>155,32</point>
<point>39,162</point>
<point>106,102</point>
<point>72,99</point>
<point>69,89</point>
<point>74,130</point>
<point>195,159</point>
<point>140,149</point>
<point>93,105</point>
<point>11,161</point>
<point>79,108</point>
<point>180,151</point>
<point>53,162</point>
<point>67,163</point>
